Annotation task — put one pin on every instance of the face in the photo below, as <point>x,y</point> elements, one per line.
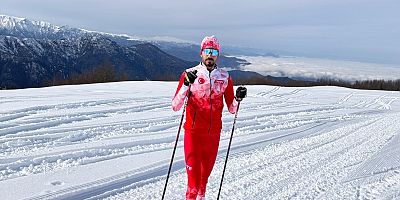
<point>208,59</point>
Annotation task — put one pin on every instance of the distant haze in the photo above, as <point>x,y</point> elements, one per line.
<point>313,68</point>
<point>358,30</point>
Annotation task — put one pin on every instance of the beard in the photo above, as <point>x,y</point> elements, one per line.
<point>209,62</point>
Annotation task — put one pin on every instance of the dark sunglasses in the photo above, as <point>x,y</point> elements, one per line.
<point>213,52</point>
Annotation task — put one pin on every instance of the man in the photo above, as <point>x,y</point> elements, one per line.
<point>205,86</point>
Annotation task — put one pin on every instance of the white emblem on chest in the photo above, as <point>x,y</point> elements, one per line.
<point>218,85</point>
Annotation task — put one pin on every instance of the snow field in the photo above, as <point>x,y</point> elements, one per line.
<point>114,141</point>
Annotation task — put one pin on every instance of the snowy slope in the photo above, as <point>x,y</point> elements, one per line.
<point>114,141</point>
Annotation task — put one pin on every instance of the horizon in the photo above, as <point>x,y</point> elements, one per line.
<point>331,30</point>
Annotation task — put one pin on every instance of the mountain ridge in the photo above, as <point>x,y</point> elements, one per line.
<point>34,52</point>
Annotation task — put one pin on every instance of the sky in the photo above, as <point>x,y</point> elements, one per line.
<point>357,30</point>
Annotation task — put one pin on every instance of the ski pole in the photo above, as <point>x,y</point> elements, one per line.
<point>229,147</point>
<point>176,142</point>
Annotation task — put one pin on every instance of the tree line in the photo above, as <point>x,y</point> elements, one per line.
<point>103,73</point>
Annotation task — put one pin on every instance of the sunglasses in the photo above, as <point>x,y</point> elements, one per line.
<point>213,52</point>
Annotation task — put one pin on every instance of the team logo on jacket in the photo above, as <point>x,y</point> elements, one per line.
<point>218,84</point>
<point>201,80</point>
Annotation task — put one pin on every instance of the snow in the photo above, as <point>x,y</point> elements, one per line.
<point>9,22</point>
<point>22,24</point>
<point>115,140</point>
<point>16,23</point>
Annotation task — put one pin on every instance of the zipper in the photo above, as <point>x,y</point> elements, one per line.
<point>194,118</point>
<point>209,73</point>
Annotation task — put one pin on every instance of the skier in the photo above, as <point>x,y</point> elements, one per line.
<point>205,86</point>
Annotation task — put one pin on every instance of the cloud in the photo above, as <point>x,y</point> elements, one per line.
<point>313,68</point>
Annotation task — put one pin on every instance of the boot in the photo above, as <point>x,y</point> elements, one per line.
<point>191,193</point>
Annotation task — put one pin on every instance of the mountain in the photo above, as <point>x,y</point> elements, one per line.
<point>24,28</point>
<point>188,51</point>
<point>253,78</point>
<point>21,27</point>
<point>33,54</point>
<point>31,62</point>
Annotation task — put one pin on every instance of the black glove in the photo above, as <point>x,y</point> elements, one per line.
<point>190,77</point>
<point>241,92</point>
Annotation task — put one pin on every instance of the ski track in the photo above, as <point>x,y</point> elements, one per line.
<point>289,143</point>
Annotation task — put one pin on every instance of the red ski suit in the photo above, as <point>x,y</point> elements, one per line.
<point>203,123</point>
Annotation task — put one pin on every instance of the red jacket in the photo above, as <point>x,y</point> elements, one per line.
<point>204,109</point>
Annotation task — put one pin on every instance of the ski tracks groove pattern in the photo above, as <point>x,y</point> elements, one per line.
<point>290,130</point>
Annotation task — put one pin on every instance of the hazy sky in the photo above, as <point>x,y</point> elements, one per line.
<point>363,30</point>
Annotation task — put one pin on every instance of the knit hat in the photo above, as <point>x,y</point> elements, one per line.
<point>209,42</point>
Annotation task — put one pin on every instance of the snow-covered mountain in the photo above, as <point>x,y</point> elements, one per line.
<point>114,141</point>
<point>17,26</point>
<point>187,50</point>
<point>33,52</point>
<point>29,62</point>
<point>25,28</point>
<point>22,27</point>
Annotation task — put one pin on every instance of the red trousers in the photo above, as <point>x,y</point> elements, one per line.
<point>201,148</point>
